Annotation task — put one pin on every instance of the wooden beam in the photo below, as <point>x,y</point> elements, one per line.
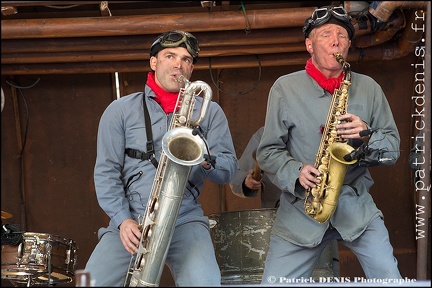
<point>133,42</point>
<point>117,55</point>
<point>152,24</point>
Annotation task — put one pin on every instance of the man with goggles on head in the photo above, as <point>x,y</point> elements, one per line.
<point>125,170</point>
<point>327,15</point>
<point>298,106</point>
<point>176,38</point>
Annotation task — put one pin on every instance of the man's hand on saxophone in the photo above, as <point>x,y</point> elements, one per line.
<point>130,235</point>
<point>308,177</point>
<point>350,126</point>
<point>206,165</point>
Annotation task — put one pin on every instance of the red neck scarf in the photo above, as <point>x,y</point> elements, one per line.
<point>167,100</point>
<point>327,84</point>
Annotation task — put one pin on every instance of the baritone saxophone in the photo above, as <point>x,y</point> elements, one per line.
<point>181,149</point>
<point>321,201</point>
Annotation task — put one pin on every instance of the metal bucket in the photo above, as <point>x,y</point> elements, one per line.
<point>241,241</point>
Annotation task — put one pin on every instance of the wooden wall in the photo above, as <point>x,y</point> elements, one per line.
<point>48,149</point>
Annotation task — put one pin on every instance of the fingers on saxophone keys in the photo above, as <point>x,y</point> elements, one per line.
<point>133,249</point>
<point>309,184</point>
<point>305,184</point>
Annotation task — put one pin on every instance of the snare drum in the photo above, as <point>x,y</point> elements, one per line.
<point>40,258</point>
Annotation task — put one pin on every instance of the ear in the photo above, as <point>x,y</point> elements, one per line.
<point>153,62</point>
<point>308,44</point>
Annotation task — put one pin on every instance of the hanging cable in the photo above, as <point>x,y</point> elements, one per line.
<point>20,156</point>
<point>26,107</point>
<point>248,27</point>
<point>241,92</point>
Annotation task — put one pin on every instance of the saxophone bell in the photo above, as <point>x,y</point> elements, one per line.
<point>182,147</point>
<point>339,151</point>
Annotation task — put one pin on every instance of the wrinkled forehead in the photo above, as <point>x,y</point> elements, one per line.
<point>328,28</point>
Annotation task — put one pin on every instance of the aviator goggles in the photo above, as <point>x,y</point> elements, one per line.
<point>322,15</point>
<point>175,39</point>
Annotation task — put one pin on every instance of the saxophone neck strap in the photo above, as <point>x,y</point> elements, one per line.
<point>150,154</point>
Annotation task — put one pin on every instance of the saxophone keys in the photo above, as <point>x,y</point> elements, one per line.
<point>333,133</point>
<point>323,166</point>
<point>147,233</point>
<point>317,207</point>
<point>182,120</point>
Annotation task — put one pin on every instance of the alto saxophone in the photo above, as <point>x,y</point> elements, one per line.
<point>181,149</point>
<point>321,201</point>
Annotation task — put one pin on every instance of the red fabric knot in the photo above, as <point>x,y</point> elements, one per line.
<point>327,84</point>
<point>167,100</point>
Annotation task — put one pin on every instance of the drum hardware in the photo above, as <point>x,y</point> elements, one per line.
<point>28,280</point>
<point>11,234</point>
<point>39,259</point>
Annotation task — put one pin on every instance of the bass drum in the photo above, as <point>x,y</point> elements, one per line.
<point>241,240</point>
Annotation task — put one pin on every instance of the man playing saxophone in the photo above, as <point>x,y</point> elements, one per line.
<point>298,106</point>
<point>129,146</point>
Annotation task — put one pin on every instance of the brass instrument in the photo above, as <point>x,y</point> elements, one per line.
<point>181,149</point>
<point>321,201</point>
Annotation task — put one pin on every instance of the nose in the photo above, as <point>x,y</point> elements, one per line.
<point>178,62</point>
<point>335,43</point>
<point>335,40</point>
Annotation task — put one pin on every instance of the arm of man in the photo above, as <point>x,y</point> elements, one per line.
<point>243,184</point>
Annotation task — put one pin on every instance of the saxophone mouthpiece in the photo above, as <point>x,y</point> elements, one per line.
<point>182,79</point>
<point>345,66</point>
<point>339,58</point>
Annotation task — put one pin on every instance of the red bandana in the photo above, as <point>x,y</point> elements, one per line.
<point>167,100</point>
<point>328,84</point>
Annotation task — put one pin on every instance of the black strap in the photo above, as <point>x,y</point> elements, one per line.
<point>150,154</point>
<point>150,147</point>
<point>138,154</point>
